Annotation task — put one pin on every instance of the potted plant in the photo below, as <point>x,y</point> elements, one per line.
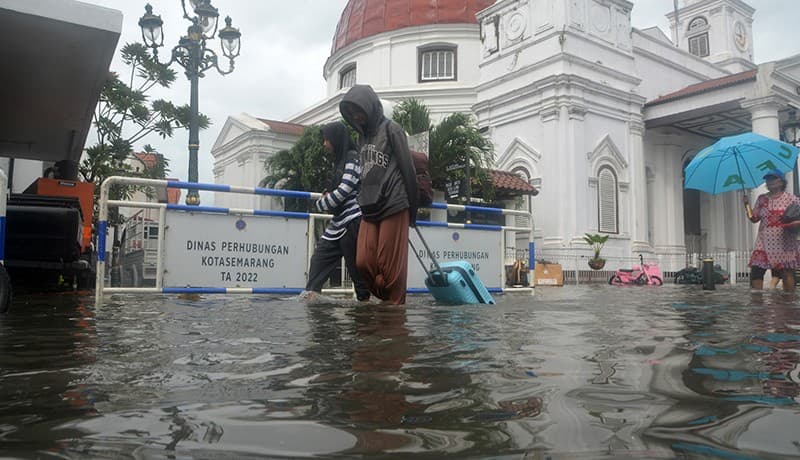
<point>596,242</point>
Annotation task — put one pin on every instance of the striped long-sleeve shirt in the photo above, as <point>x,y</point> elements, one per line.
<point>342,201</point>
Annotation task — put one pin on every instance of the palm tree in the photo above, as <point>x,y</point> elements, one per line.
<point>413,116</point>
<point>456,140</point>
<point>302,167</point>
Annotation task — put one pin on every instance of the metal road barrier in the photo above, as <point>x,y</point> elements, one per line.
<point>217,250</point>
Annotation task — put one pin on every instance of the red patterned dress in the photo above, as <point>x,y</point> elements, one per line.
<point>776,247</point>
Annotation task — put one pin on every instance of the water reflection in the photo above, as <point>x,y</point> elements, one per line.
<point>736,367</point>
<point>43,357</point>
<point>586,371</point>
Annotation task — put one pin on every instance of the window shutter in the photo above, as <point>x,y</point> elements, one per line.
<point>607,201</point>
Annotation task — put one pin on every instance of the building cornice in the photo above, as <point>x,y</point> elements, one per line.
<point>555,59</point>
<point>670,63</point>
<point>246,140</point>
<point>561,80</point>
<point>412,33</point>
<point>739,5</point>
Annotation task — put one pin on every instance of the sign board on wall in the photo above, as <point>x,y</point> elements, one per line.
<point>481,248</point>
<point>453,189</point>
<point>213,250</point>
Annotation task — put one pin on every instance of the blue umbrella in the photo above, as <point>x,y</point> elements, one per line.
<point>738,162</point>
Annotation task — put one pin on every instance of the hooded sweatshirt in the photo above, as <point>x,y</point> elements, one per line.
<point>388,179</point>
<point>343,185</point>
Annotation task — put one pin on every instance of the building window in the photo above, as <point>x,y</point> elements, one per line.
<point>697,23</point>
<point>347,77</point>
<point>607,201</point>
<point>698,37</point>
<point>437,64</point>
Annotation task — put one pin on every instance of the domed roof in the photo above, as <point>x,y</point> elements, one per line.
<point>364,18</point>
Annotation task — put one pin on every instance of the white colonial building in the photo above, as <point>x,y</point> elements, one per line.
<point>600,116</point>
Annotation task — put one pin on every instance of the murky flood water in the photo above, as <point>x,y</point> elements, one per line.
<point>579,371</point>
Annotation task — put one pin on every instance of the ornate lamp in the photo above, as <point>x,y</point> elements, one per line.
<point>791,135</point>
<point>191,53</point>
<point>230,39</point>
<point>791,129</point>
<point>152,34</point>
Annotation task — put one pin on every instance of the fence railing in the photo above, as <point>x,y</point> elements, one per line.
<point>575,268</point>
<point>207,249</point>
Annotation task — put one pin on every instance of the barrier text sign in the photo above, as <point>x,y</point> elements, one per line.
<point>483,249</point>
<point>212,250</point>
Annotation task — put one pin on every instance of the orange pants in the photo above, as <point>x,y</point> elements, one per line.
<point>382,256</point>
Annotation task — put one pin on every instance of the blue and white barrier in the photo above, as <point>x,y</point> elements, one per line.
<point>219,250</point>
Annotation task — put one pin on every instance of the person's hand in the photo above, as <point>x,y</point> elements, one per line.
<point>745,199</point>
<point>793,224</point>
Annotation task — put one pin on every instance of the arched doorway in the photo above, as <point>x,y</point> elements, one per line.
<point>692,228</point>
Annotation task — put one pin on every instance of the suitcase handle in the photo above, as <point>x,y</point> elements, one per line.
<point>442,276</point>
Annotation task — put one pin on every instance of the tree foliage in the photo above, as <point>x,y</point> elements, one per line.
<point>302,167</point>
<point>456,140</point>
<point>413,115</point>
<point>125,116</point>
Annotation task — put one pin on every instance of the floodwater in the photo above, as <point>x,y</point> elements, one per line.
<point>590,371</point>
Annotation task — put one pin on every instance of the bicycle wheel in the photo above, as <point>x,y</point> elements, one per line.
<point>615,280</point>
<point>656,280</point>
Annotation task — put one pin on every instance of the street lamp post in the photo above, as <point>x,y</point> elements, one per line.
<point>791,135</point>
<point>191,53</point>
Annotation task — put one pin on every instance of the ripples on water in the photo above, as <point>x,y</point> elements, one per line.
<point>579,371</point>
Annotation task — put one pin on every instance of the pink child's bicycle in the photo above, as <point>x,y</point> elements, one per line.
<point>640,275</point>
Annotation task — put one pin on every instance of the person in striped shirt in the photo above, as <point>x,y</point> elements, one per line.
<point>341,235</point>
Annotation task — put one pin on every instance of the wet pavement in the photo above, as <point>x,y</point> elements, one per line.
<point>590,371</point>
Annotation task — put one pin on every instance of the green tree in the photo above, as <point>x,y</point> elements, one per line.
<point>302,167</point>
<point>456,140</point>
<point>413,115</point>
<point>125,115</point>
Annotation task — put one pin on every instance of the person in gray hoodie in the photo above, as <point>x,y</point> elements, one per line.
<point>388,195</point>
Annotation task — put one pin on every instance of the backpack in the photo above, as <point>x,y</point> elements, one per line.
<point>424,182</point>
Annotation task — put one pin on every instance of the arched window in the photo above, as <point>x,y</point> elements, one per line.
<point>347,77</point>
<point>697,23</point>
<point>697,35</point>
<point>607,201</point>
<point>523,221</point>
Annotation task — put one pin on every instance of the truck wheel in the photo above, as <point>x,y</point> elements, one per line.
<point>5,291</point>
<point>85,280</point>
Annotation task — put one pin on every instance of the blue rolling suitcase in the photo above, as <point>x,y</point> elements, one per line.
<point>454,282</point>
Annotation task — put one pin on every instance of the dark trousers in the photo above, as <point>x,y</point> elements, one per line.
<point>326,258</point>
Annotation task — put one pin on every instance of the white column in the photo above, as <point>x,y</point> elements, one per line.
<point>764,113</point>
<point>668,229</point>
<point>553,188</point>
<point>765,121</point>
<point>578,220</point>
<point>639,194</point>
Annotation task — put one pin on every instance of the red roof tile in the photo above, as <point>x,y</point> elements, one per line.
<point>173,194</point>
<point>510,182</point>
<point>708,85</point>
<point>148,159</point>
<point>283,127</point>
<point>365,18</point>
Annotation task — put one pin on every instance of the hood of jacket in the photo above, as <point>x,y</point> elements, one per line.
<point>342,143</point>
<point>363,97</point>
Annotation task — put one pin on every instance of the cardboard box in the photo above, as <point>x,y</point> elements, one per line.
<point>548,275</point>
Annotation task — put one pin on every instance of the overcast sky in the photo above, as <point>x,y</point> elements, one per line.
<point>285,44</point>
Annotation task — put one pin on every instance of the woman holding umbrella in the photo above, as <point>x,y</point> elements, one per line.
<point>776,246</point>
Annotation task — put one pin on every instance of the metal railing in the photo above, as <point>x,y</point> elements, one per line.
<point>161,209</point>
